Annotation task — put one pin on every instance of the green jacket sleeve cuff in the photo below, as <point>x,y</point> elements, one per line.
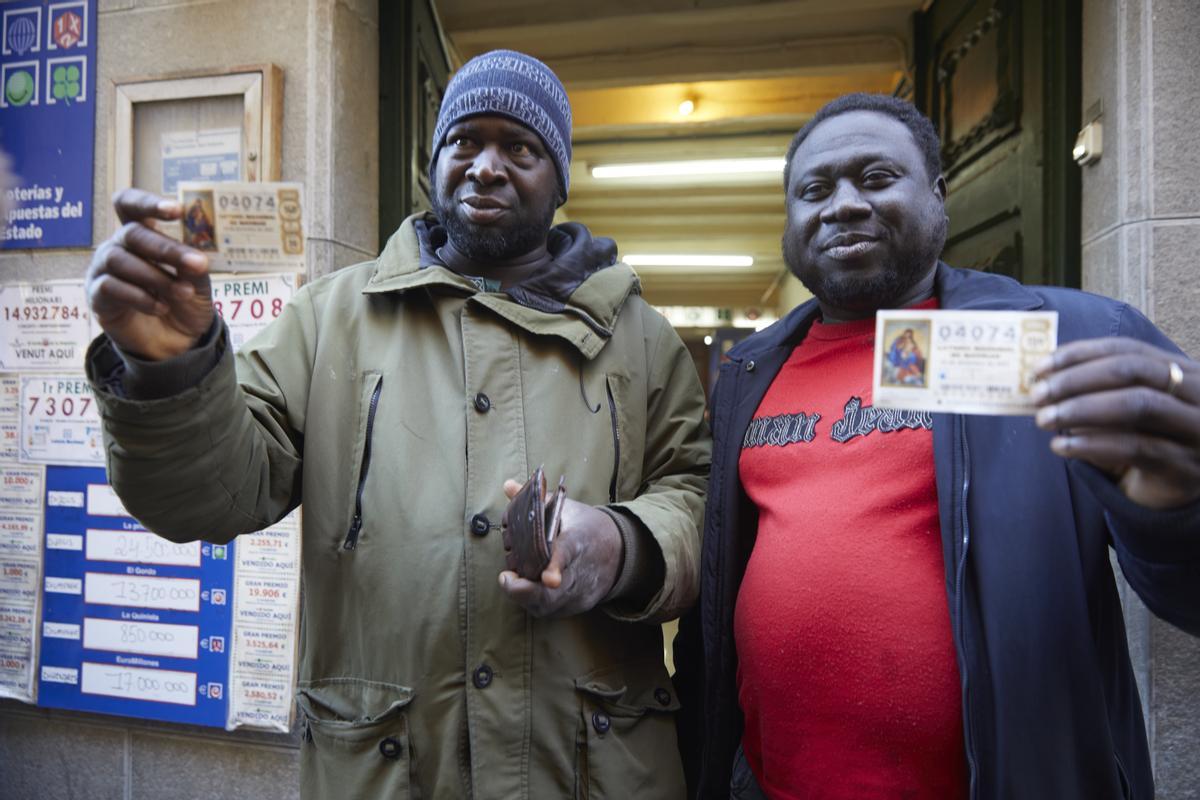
<point>130,376</point>
<point>642,568</point>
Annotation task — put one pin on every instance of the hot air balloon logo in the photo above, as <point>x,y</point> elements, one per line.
<point>21,31</point>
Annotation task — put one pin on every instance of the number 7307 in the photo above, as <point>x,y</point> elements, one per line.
<point>60,407</point>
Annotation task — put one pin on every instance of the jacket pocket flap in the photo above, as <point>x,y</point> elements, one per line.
<point>350,703</point>
<point>631,688</point>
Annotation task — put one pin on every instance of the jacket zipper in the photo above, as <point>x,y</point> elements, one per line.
<point>356,523</point>
<point>612,413</point>
<point>959,581</point>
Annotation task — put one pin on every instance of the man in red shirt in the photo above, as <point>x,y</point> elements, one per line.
<point>899,604</point>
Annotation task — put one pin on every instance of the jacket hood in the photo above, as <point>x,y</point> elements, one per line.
<point>954,288</point>
<point>585,287</point>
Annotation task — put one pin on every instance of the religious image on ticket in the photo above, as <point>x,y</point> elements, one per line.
<point>199,220</point>
<point>904,363</point>
<point>960,362</point>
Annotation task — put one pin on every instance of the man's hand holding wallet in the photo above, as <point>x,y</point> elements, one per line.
<point>562,556</point>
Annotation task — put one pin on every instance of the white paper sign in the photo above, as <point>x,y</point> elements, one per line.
<point>20,602</point>
<point>10,397</point>
<point>43,326</point>
<point>140,547</point>
<point>263,656</point>
<point>60,423</point>
<point>141,638</point>
<point>214,154</point>
<point>19,581</point>
<point>10,416</point>
<point>21,487</point>
<point>140,591</point>
<point>135,683</point>
<point>20,535</point>
<point>248,303</point>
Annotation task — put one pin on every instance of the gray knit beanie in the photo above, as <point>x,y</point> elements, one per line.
<point>516,86</point>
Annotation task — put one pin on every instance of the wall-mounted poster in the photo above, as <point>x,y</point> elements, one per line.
<point>20,579</point>
<point>48,105</point>
<point>59,421</point>
<point>200,155</point>
<point>133,624</point>
<point>46,326</point>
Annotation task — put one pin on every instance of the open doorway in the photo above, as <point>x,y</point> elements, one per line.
<point>710,92</point>
<point>658,82</point>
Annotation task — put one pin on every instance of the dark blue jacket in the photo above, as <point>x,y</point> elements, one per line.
<point>1050,707</point>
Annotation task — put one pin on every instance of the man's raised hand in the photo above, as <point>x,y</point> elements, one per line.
<point>150,293</point>
<point>1129,408</point>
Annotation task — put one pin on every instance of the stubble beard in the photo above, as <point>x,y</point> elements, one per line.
<point>854,292</point>
<point>495,242</point>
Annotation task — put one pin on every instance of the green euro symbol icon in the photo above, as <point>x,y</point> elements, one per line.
<point>18,89</point>
<point>66,83</point>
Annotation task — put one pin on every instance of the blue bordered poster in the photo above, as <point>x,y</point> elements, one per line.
<point>48,120</point>
<point>132,624</point>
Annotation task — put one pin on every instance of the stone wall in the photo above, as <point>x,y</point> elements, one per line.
<point>1141,243</point>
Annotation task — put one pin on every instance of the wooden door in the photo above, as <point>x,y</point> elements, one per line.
<point>413,71</point>
<point>1001,81</point>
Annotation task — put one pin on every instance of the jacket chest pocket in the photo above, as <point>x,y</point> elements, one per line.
<point>626,745</point>
<point>356,741</point>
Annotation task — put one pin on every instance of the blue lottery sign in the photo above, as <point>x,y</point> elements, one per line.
<point>132,624</point>
<point>48,120</point>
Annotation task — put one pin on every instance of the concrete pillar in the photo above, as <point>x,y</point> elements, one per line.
<point>1141,244</point>
<point>340,165</point>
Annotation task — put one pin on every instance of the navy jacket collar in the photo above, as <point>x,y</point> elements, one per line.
<point>955,288</point>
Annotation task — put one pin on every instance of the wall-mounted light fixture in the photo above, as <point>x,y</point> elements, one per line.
<point>1089,143</point>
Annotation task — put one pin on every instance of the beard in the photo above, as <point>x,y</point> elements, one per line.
<point>854,292</point>
<point>520,235</point>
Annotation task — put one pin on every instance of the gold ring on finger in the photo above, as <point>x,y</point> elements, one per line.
<point>1174,378</point>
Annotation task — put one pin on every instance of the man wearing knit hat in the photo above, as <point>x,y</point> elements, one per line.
<point>398,399</point>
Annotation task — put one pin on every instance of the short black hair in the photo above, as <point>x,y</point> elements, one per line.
<point>918,124</point>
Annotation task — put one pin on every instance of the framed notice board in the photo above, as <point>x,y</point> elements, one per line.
<point>222,125</point>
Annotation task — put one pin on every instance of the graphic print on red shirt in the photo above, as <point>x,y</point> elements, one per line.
<point>847,674</point>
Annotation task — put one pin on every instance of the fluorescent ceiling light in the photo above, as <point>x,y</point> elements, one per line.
<point>715,166</point>
<point>656,260</point>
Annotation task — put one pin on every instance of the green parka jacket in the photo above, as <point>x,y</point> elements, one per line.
<point>394,400</point>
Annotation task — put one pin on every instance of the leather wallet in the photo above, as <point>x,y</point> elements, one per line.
<point>530,524</point>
